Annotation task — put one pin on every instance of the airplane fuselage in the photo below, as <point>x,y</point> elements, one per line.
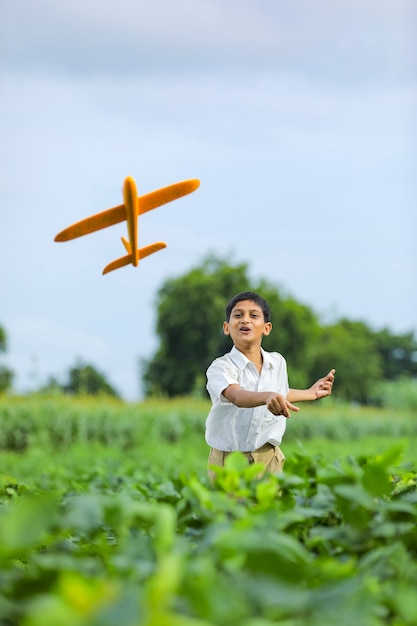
<point>130,197</point>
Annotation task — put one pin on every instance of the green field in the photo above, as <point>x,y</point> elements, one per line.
<point>107,517</point>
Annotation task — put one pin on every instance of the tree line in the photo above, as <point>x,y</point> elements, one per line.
<point>190,315</point>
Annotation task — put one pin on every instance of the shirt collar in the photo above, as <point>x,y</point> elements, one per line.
<point>241,361</point>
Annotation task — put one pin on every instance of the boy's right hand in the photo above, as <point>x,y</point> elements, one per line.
<point>279,405</point>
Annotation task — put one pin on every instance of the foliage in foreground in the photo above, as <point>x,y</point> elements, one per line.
<point>323,545</point>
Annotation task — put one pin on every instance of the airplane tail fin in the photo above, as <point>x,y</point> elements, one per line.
<point>125,260</point>
<point>126,245</point>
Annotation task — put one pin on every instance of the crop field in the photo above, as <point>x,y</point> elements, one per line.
<point>107,518</point>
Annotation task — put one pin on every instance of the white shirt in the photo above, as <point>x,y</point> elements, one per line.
<point>229,427</point>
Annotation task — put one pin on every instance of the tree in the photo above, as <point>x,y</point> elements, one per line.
<point>6,378</point>
<point>350,348</point>
<point>190,314</point>
<point>398,354</point>
<point>85,379</point>
<point>3,340</point>
<point>6,374</point>
<point>82,379</point>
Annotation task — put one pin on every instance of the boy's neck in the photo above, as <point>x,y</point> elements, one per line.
<point>253,354</point>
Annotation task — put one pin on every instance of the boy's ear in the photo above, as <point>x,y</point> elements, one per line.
<point>226,328</point>
<point>268,328</point>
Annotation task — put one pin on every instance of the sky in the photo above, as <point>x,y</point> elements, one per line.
<point>298,118</point>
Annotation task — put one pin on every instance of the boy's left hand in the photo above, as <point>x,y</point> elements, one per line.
<point>323,387</point>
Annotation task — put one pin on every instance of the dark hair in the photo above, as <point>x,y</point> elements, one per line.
<point>253,297</point>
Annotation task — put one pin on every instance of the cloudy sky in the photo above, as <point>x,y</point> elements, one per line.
<point>297,116</point>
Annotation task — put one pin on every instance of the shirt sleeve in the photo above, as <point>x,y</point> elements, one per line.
<point>220,374</point>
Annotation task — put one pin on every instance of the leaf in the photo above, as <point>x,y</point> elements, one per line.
<point>23,526</point>
<point>355,504</point>
<point>276,554</point>
<point>236,461</point>
<point>392,457</point>
<point>376,480</point>
<point>85,513</point>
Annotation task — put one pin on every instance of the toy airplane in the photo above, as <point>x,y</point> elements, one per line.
<point>133,206</point>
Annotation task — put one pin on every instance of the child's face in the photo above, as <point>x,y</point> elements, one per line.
<point>247,325</point>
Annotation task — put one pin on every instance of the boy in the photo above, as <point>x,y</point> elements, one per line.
<point>248,387</point>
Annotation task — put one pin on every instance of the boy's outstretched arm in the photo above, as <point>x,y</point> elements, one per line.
<point>276,403</point>
<point>320,389</point>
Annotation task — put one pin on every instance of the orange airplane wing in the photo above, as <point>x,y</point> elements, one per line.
<point>117,214</point>
<point>156,198</point>
<point>94,222</point>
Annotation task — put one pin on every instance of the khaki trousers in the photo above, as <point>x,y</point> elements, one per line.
<point>271,457</point>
